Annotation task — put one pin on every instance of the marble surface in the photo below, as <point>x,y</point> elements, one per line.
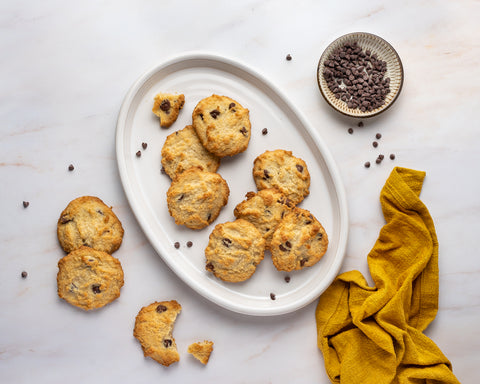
<point>65,69</point>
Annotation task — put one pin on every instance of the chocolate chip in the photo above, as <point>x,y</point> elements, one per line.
<point>167,343</point>
<point>392,156</point>
<point>161,308</point>
<point>226,242</point>
<point>287,279</point>
<point>302,262</point>
<point>378,136</point>
<point>282,248</point>
<point>26,204</point>
<point>162,170</point>
<point>144,145</point>
<point>288,244</point>
<point>266,174</point>
<point>360,124</point>
<point>299,167</point>
<point>350,130</point>
<point>367,164</point>
<point>189,244</point>
<point>264,131</point>
<point>375,144</point>
<point>209,217</point>
<point>96,288</point>
<point>71,167</point>
<point>201,115</point>
<point>244,131</point>
<point>99,211</point>
<point>381,157</point>
<point>180,198</point>
<point>308,222</point>
<point>378,161</point>
<point>231,105</point>
<point>24,275</point>
<point>320,236</point>
<point>209,267</point>
<point>214,113</point>
<point>64,219</point>
<point>165,106</point>
<point>176,244</point>
<point>272,296</point>
<point>289,57</point>
<point>139,153</point>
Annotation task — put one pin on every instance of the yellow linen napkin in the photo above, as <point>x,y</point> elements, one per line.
<point>374,334</point>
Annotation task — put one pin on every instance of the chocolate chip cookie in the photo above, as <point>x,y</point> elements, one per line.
<point>88,278</point>
<point>234,250</point>
<point>88,221</point>
<point>153,329</point>
<point>222,125</point>
<point>264,209</point>
<point>299,241</point>
<point>183,149</point>
<point>280,169</point>
<point>167,107</point>
<point>195,197</point>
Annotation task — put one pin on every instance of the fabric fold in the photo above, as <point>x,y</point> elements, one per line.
<point>375,334</point>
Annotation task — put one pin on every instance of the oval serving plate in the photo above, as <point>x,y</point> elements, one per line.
<point>198,75</point>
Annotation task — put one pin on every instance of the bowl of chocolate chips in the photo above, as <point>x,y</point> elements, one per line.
<point>360,74</point>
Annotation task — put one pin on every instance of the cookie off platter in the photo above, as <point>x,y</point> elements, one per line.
<point>199,75</point>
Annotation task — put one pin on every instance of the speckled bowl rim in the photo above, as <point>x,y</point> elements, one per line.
<point>364,114</point>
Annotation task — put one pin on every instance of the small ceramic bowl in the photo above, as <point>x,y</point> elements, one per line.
<point>384,51</point>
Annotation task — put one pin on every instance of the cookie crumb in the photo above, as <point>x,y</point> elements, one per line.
<point>71,167</point>
<point>26,204</point>
<point>24,274</point>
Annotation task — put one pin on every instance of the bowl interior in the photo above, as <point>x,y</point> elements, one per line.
<point>384,51</point>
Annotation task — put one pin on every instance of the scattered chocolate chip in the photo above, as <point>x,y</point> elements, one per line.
<point>381,157</point>
<point>264,131</point>
<point>350,130</point>
<point>161,308</point>
<point>360,124</point>
<point>167,343</point>
<point>24,275</point>
<point>215,113</point>
<point>96,288</point>
<point>139,153</point>
<point>71,167</point>
<point>165,106</point>
<point>226,242</point>
<point>378,161</point>
<point>287,279</point>
<point>26,204</point>
<point>244,131</point>
<point>176,245</point>
<point>231,105</point>
<point>289,57</point>
<point>272,296</point>
<point>392,156</point>
<point>378,136</point>
<point>367,164</point>
<point>209,267</point>
<point>144,145</point>
<point>375,144</point>
<point>299,167</point>
<point>189,244</point>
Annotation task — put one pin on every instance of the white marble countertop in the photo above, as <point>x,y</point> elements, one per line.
<point>65,69</point>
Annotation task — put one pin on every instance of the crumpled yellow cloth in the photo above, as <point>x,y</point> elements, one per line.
<point>374,334</point>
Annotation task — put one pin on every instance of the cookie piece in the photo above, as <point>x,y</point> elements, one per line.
<point>195,197</point>
<point>234,250</point>
<point>153,329</point>
<point>264,209</point>
<point>201,351</point>
<point>183,149</point>
<point>299,241</point>
<point>167,106</point>
<point>280,169</point>
<point>88,221</point>
<point>222,125</point>
<point>88,278</point>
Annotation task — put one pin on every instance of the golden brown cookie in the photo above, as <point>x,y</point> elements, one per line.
<point>167,107</point>
<point>196,197</point>
<point>222,125</point>
<point>280,169</point>
<point>183,149</point>
<point>234,250</point>
<point>264,209</point>
<point>88,221</point>
<point>299,241</point>
<point>153,329</point>
<point>88,278</point>
<point>201,351</point>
